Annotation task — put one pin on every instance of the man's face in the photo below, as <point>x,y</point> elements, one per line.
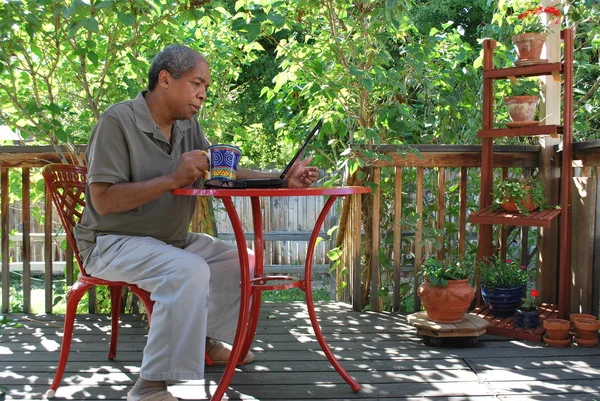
<point>187,93</point>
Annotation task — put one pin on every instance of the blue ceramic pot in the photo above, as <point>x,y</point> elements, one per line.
<point>503,302</point>
<point>527,319</point>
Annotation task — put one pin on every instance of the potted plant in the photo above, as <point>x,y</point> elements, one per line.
<point>522,103</point>
<point>521,195</point>
<point>527,316</point>
<point>502,284</point>
<point>531,34</point>
<point>445,292</point>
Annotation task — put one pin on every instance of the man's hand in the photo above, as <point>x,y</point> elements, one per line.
<point>193,165</point>
<point>301,175</point>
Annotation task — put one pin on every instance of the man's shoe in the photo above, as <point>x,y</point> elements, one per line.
<point>219,353</point>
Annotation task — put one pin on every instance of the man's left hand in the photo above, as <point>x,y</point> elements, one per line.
<point>301,175</point>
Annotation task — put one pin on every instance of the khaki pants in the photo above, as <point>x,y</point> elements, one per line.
<point>196,293</point>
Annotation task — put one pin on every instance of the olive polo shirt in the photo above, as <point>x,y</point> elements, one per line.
<point>127,146</point>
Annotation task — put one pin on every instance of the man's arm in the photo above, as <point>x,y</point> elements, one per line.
<point>120,197</point>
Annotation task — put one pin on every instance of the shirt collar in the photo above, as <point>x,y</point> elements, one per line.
<point>143,118</point>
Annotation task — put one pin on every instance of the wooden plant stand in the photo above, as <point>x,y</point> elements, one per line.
<point>465,333</point>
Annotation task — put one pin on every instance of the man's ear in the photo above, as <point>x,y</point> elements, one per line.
<point>163,78</point>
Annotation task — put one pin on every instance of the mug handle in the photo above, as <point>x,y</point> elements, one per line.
<point>206,172</point>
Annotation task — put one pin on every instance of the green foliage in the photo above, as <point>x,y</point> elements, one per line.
<point>519,190</point>
<point>439,272</point>
<point>496,272</point>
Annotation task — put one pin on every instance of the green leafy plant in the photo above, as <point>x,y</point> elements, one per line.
<point>521,191</point>
<point>524,87</point>
<point>439,272</point>
<point>496,272</point>
<point>529,301</point>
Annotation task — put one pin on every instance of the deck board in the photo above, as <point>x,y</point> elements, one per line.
<point>381,350</point>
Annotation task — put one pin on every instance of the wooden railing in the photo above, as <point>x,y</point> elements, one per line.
<point>452,166</point>
<point>412,215</point>
<point>287,226</point>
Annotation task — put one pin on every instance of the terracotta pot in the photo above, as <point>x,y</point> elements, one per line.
<point>586,343</point>
<point>557,329</point>
<point>527,204</point>
<point>521,108</point>
<point>580,316</point>
<point>529,46</point>
<point>587,329</point>
<point>557,343</point>
<point>446,304</point>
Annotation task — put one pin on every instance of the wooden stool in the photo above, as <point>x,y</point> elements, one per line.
<point>466,332</point>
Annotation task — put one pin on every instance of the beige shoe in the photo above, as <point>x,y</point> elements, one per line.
<point>219,353</point>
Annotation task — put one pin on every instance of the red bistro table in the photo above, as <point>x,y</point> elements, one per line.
<point>252,287</point>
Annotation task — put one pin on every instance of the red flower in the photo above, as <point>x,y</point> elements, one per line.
<point>523,267</point>
<point>534,293</point>
<point>508,260</point>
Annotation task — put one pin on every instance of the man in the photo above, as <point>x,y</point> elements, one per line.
<point>133,229</point>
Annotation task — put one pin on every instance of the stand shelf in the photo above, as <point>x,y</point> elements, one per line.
<point>488,215</point>
<point>524,71</point>
<point>522,131</point>
<point>495,215</point>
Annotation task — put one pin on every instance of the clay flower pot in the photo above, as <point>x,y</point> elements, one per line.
<point>447,304</point>
<point>587,329</point>
<point>529,48</point>
<point>527,204</point>
<point>586,343</point>
<point>521,108</point>
<point>557,343</point>
<point>580,316</point>
<point>557,329</point>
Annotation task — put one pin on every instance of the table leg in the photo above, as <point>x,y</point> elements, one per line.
<point>307,288</point>
<point>241,330</point>
<point>258,271</point>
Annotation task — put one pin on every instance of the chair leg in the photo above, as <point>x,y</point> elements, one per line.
<point>145,297</point>
<point>73,298</point>
<point>115,306</point>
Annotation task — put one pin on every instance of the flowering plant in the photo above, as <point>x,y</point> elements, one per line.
<point>496,272</point>
<point>529,301</point>
<point>531,20</point>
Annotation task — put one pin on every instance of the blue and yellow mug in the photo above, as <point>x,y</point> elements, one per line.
<point>224,161</point>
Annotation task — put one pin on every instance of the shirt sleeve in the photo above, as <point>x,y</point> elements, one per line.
<point>108,153</point>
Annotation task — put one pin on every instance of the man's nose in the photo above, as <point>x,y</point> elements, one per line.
<point>202,93</point>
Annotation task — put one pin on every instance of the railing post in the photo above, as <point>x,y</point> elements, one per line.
<point>4,240</point>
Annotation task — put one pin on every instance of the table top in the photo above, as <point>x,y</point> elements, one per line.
<point>255,192</point>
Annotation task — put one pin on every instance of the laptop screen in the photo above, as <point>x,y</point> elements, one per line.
<point>298,154</point>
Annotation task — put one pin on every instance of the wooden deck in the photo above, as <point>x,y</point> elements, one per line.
<point>380,350</point>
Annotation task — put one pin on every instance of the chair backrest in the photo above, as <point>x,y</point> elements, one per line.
<point>66,185</point>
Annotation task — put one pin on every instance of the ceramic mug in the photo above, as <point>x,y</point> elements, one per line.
<point>223,161</point>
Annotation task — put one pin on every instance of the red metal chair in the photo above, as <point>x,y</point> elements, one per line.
<point>66,185</point>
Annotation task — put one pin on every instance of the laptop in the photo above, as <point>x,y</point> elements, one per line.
<point>267,182</point>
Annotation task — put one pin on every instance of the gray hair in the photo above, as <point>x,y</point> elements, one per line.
<point>176,59</point>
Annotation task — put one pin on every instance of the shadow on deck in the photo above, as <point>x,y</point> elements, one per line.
<point>380,350</point>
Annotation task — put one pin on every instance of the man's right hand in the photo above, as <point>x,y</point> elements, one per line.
<point>193,165</point>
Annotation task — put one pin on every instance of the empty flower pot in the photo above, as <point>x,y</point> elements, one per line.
<point>587,329</point>
<point>557,329</point>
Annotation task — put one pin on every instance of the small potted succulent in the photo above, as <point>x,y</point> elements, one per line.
<point>531,34</point>
<point>522,195</point>
<point>445,292</point>
<point>527,316</point>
